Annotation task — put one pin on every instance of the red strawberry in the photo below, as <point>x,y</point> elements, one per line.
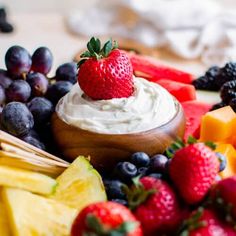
<point>205,222</point>
<point>155,205</point>
<point>193,170</point>
<point>105,73</point>
<point>223,195</point>
<point>106,218</point>
<point>152,70</point>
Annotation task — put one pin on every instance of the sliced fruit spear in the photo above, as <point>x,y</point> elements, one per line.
<point>27,180</point>
<point>152,70</point>
<point>4,222</point>
<point>182,92</point>
<point>79,185</point>
<point>31,214</point>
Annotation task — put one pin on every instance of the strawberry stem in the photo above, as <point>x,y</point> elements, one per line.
<point>95,50</point>
<point>137,194</point>
<point>96,228</point>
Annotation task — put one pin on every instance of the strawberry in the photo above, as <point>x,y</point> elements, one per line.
<point>193,170</point>
<point>223,195</point>
<point>106,218</point>
<point>153,70</point>
<point>155,205</point>
<point>205,222</point>
<point>105,73</point>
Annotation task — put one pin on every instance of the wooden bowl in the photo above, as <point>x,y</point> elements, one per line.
<point>107,149</point>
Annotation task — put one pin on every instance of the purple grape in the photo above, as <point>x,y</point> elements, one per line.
<point>2,96</point>
<point>42,60</point>
<point>58,90</point>
<point>17,60</point>
<point>18,91</point>
<point>5,80</point>
<point>42,110</point>
<point>38,83</point>
<point>16,119</point>
<point>67,72</point>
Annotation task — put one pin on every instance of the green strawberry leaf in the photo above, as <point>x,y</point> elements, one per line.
<point>107,48</point>
<point>95,227</point>
<point>137,194</point>
<point>85,54</point>
<point>81,62</point>
<point>210,145</point>
<point>94,45</point>
<point>191,140</point>
<point>115,46</point>
<point>124,229</point>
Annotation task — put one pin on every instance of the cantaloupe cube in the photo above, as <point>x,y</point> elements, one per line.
<point>218,125</point>
<point>230,154</point>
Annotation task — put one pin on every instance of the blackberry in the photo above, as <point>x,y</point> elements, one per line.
<point>228,91</point>
<point>207,81</point>
<point>227,73</point>
<point>218,105</point>
<point>232,103</point>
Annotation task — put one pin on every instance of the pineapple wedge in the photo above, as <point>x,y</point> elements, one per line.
<point>79,185</point>
<point>4,222</point>
<point>34,215</point>
<point>27,180</point>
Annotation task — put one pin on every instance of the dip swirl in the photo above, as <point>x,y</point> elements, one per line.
<point>149,107</point>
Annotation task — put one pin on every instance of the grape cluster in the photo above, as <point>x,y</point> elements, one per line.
<point>28,96</point>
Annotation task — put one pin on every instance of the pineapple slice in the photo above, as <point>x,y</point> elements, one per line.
<point>4,224</point>
<point>79,185</point>
<point>27,180</point>
<point>34,215</point>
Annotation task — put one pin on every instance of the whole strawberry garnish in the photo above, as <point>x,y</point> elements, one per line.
<point>193,170</point>
<point>155,205</point>
<point>106,72</point>
<point>223,195</point>
<point>205,222</point>
<point>106,218</point>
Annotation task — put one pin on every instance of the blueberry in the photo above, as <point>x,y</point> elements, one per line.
<point>158,163</point>
<point>140,159</point>
<point>67,72</point>
<point>16,119</point>
<point>222,160</point>
<point>142,171</point>
<point>33,141</point>
<point>42,110</point>
<point>114,189</point>
<point>58,90</point>
<point>156,175</point>
<point>125,171</point>
<point>120,201</point>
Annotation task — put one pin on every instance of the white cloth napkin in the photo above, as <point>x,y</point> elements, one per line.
<point>189,28</point>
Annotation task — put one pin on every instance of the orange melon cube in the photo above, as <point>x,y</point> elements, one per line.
<point>218,125</point>
<point>230,154</point>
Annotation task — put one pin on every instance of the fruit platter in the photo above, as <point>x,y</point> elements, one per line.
<point>115,144</point>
